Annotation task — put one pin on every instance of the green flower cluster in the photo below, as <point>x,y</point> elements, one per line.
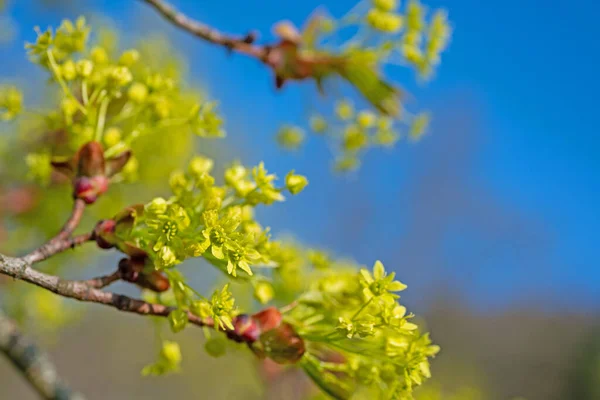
<point>115,99</point>
<point>30,145</point>
<point>360,340</point>
<point>357,131</point>
<point>345,327</point>
<point>384,35</point>
<point>203,219</point>
<point>420,42</point>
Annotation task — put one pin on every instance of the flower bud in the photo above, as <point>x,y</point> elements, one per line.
<point>84,68</point>
<point>344,110</point>
<point>89,189</point>
<point>68,70</point>
<point>366,119</point>
<point>99,55</point>
<point>318,124</point>
<point>120,76</point>
<point>129,57</point>
<point>137,92</point>
<point>295,183</point>
<point>112,136</point>
<point>245,329</point>
<point>386,5</point>
<point>157,206</point>
<point>69,106</point>
<point>200,165</point>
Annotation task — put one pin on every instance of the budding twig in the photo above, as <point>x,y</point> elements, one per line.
<point>62,240</point>
<point>103,281</point>
<point>86,291</point>
<point>242,44</point>
<point>56,246</point>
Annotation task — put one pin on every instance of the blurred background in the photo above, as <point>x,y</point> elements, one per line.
<point>491,219</point>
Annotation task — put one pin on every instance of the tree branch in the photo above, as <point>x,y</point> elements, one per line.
<point>86,291</point>
<point>62,240</point>
<point>73,221</point>
<point>56,246</point>
<point>32,362</point>
<point>243,44</point>
<point>103,281</point>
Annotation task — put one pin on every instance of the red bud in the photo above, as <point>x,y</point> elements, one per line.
<point>245,329</point>
<point>89,188</point>
<point>268,319</point>
<point>281,344</point>
<point>90,171</point>
<point>268,336</point>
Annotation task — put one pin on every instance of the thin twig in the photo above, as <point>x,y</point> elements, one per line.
<point>57,246</point>
<point>58,242</point>
<point>20,269</point>
<point>102,281</point>
<point>33,362</point>
<point>241,44</point>
<point>73,221</point>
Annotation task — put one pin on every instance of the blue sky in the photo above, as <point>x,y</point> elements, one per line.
<point>498,204</point>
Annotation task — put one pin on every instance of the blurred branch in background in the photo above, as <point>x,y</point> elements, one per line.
<point>242,44</point>
<point>32,362</point>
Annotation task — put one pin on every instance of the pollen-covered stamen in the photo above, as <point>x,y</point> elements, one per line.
<point>170,230</point>
<point>378,287</point>
<point>217,237</point>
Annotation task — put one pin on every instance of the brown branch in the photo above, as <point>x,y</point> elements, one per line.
<point>241,44</point>
<point>102,281</point>
<point>62,240</point>
<point>73,221</point>
<point>33,362</point>
<point>56,246</point>
<point>20,269</point>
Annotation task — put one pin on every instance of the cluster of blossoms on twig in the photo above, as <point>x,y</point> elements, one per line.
<point>341,324</point>
<point>373,35</point>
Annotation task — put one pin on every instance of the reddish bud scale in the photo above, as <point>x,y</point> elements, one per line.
<point>89,189</point>
<point>104,233</point>
<point>90,160</point>
<point>268,319</point>
<point>245,329</point>
<point>90,171</point>
<point>132,270</point>
<point>128,270</point>
<point>154,281</point>
<point>268,336</point>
